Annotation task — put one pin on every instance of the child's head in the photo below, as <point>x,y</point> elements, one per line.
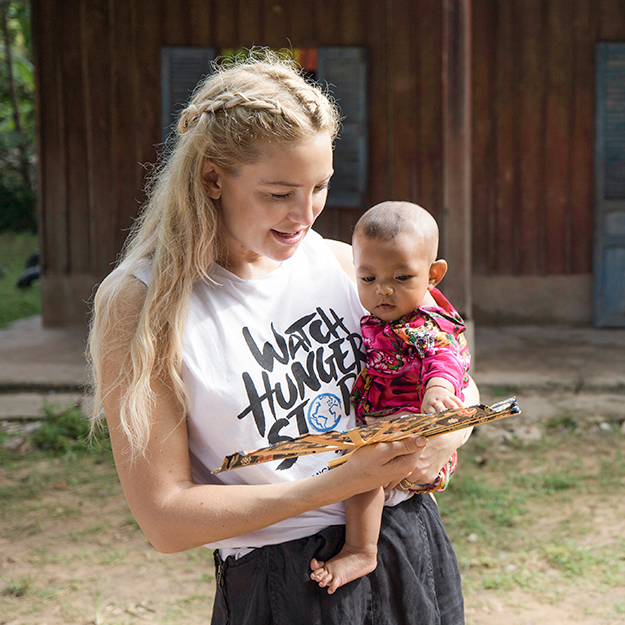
<point>395,246</point>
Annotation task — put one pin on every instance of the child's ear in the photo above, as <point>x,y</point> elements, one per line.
<point>211,179</point>
<point>438,269</point>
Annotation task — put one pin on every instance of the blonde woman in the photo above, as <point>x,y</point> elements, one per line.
<point>230,324</point>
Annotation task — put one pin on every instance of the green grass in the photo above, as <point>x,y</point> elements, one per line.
<point>61,458</point>
<point>73,544</point>
<point>26,499</point>
<point>17,303</point>
<point>515,522</point>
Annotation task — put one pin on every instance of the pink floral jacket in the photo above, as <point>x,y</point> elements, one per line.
<point>403,355</point>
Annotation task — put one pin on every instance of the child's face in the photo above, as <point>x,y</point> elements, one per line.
<point>392,276</point>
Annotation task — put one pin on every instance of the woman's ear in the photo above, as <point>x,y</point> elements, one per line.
<point>438,269</point>
<point>211,179</point>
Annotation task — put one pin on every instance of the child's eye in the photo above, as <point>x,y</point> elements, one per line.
<point>402,278</point>
<point>368,279</point>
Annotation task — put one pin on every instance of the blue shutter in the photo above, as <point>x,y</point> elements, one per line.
<point>181,70</point>
<point>609,296</point>
<point>344,70</point>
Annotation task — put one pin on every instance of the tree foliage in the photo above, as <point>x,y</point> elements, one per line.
<point>17,118</point>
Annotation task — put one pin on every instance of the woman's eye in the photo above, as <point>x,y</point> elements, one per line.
<point>323,187</point>
<point>280,196</point>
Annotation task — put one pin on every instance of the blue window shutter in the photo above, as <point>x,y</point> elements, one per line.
<point>609,256</point>
<point>344,70</point>
<point>181,70</point>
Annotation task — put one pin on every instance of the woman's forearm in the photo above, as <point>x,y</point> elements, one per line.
<point>198,514</point>
<point>183,515</point>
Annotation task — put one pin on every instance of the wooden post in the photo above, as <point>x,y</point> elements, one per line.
<point>457,174</point>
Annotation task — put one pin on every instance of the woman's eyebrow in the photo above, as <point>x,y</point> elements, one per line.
<point>285,183</point>
<point>279,183</point>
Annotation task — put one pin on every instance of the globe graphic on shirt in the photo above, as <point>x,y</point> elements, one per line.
<point>324,412</point>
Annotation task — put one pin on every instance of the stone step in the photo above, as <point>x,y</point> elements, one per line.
<point>19,409</point>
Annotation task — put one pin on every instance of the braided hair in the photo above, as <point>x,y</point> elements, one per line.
<point>239,108</point>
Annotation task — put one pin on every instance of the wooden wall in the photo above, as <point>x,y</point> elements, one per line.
<point>98,72</point>
<point>533,132</point>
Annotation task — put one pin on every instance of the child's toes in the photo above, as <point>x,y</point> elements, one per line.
<point>322,577</point>
<point>317,575</point>
<point>316,564</point>
<point>333,585</point>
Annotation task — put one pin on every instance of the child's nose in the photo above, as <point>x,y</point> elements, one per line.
<point>385,289</point>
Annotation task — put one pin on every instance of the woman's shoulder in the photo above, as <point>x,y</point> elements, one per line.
<point>122,294</point>
<point>342,252</point>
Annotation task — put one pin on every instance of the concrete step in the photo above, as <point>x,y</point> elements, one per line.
<point>23,411</point>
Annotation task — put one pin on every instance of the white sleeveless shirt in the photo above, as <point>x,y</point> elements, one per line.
<point>269,359</point>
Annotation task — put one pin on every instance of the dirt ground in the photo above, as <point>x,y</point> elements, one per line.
<point>598,525</point>
<point>74,556</point>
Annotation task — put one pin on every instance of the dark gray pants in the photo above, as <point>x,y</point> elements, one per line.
<point>416,582</point>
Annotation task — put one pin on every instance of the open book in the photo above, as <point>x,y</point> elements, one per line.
<point>384,431</point>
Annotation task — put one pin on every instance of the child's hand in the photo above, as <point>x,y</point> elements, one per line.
<point>437,398</point>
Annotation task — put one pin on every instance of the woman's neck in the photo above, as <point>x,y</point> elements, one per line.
<point>251,269</point>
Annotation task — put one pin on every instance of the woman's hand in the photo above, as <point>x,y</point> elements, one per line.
<point>432,457</point>
<point>383,464</point>
<point>436,454</point>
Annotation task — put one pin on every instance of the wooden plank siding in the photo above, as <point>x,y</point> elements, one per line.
<point>98,93</point>
<point>484,154</point>
<point>533,124</point>
<point>507,139</point>
<point>427,171</point>
<point>532,163</point>
<point>582,136</point>
<point>97,74</point>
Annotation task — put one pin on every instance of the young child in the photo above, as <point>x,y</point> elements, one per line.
<point>417,357</point>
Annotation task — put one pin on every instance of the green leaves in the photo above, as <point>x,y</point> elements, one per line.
<point>17,116</point>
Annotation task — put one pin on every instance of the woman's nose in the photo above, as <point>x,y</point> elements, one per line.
<point>306,211</point>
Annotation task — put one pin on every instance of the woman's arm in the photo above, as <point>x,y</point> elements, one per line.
<point>174,513</point>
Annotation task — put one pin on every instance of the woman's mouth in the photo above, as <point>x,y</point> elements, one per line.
<point>290,238</point>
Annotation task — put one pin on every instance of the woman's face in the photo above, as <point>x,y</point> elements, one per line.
<point>269,206</point>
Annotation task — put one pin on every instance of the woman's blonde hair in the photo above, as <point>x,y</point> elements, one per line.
<point>233,114</point>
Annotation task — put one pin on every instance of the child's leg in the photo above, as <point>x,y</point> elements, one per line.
<point>358,557</point>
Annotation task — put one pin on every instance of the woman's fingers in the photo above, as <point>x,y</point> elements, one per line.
<point>406,459</point>
<point>385,464</point>
<point>438,452</point>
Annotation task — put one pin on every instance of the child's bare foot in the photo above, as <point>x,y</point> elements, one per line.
<point>349,564</point>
